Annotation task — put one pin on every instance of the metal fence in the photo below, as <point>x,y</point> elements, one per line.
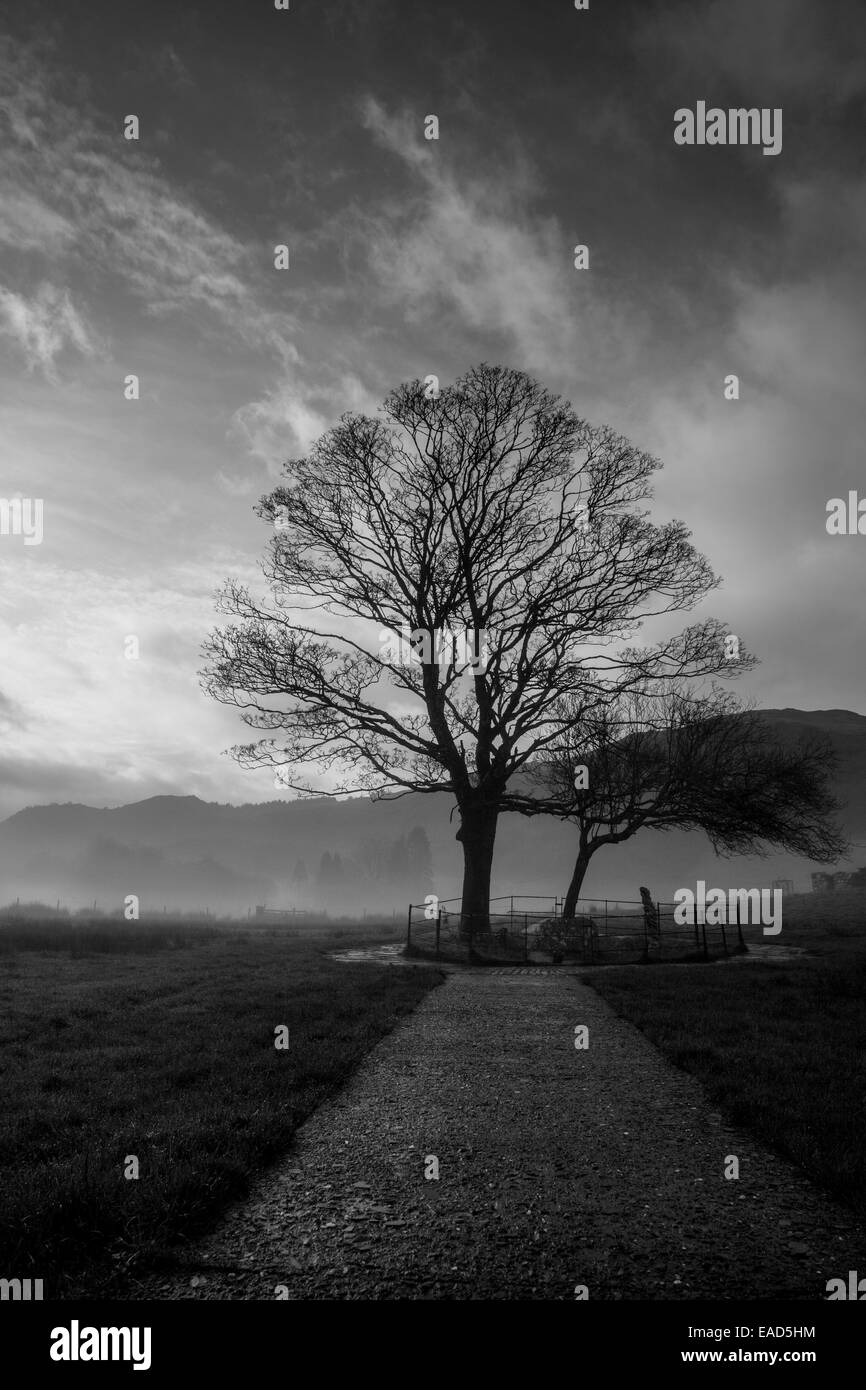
<point>603,931</point>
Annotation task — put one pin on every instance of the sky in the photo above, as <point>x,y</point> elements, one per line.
<point>408,256</point>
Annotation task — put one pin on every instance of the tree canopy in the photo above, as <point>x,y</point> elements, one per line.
<point>490,507</point>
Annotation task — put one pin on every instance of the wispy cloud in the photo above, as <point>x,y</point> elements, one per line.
<point>11,714</point>
<point>468,246</point>
<point>408,256</point>
<point>28,224</point>
<point>290,417</point>
<point>44,324</point>
<point>175,69</point>
<point>105,211</point>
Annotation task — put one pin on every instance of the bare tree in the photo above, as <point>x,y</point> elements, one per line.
<point>673,759</point>
<point>490,508</point>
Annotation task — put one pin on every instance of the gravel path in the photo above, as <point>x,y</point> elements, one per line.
<point>558,1167</point>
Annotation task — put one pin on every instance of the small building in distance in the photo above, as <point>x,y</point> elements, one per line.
<point>828,883</point>
<point>785,884</point>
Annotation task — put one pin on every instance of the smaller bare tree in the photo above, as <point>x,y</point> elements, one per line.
<point>665,759</point>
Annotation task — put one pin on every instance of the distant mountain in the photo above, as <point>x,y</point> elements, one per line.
<point>847,733</point>
<point>180,852</point>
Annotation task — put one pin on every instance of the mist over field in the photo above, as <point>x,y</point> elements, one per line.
<point>181,852</point>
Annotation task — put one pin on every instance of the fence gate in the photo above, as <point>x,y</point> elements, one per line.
<point>520,929</point>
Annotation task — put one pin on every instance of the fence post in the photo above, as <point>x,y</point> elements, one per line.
<point>409,927</point>
<point>438,921</point>
<point>525,937</point>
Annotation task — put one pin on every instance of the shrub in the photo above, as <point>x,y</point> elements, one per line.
<point>561,936</point>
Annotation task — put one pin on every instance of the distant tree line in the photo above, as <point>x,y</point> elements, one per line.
<point>378,868</point>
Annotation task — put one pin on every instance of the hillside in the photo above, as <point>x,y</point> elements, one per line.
<point>180,852</point>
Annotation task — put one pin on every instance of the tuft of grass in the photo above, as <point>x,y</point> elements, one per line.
<point>777,1047</point>
<point>87,937</point>
<point>167,1055</point>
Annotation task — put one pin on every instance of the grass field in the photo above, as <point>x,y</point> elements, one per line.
<point>780,1048</point>
<point>161,1047</point>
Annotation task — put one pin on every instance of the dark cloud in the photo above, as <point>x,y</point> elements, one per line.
<point>407,257</point>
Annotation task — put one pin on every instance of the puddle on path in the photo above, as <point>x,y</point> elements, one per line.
<point>768,954</point>
<point>391,952</point>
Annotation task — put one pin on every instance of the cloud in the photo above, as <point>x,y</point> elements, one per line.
<point>174,68</point>
<point>103,209</point>
<point>805,342</point>
<point>245,483</point>
<point>12,714</point>
<point>797,330</point>
<point>43,780</point>
<point>468,247</point>
<point>290,417</point>
<point>28,224</point>
<point>44,325</point>
<point>100,726</point>
<point>785,46</point>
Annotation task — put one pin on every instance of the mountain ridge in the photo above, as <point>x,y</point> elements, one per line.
<point>184,852</point>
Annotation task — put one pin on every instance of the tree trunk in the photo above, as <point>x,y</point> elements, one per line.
<point>477,834</point>
<point>581,865</point>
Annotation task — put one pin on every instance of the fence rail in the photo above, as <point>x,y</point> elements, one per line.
<point>603,930</point>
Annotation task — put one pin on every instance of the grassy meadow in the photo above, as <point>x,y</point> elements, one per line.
<point>779,1048</point>
<point>158,1041</point>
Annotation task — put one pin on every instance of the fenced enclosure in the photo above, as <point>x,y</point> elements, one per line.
<point>526,929</point>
